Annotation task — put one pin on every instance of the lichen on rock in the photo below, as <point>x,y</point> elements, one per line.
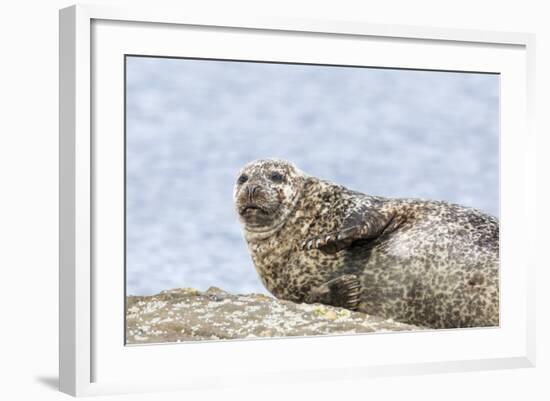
<point>186,314</point>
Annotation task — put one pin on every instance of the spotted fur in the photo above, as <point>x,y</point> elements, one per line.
<point>428,263</point>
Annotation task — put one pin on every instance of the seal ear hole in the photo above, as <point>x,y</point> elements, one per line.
<point>275,176</point>
<point>242,179</point>
<point>477,279</point>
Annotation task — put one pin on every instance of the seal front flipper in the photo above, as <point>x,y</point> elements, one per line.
<point>342,291</point>
<point>361,223</point>
<point>334,241</point>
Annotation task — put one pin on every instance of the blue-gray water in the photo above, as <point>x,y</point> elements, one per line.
<point>191,124</point>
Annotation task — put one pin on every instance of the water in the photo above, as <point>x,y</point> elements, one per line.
<point>191,124</point>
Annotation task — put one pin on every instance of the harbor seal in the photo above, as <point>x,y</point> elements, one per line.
<point>428,263</point>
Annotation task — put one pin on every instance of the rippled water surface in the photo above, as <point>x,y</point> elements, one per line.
<point>191,124</point>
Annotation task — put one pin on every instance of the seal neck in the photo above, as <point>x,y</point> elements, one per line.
<point>256,235</point>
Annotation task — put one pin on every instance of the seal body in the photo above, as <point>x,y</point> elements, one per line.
<point>427,263</point>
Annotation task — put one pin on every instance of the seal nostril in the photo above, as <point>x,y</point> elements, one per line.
<point>252,190</point>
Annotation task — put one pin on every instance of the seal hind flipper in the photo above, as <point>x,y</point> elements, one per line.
<point>343,291</point>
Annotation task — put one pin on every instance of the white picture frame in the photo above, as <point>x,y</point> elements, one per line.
<point>92,351</point>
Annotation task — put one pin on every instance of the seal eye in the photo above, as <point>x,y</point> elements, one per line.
<point>242,179</point>
<point>276,177</point>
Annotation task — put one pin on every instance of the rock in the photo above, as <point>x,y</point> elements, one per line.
<point>186,314</point>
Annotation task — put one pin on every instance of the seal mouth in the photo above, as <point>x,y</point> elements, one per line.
<point>251,208</point>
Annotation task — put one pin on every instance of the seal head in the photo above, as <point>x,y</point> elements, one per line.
<point>265,193</point>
